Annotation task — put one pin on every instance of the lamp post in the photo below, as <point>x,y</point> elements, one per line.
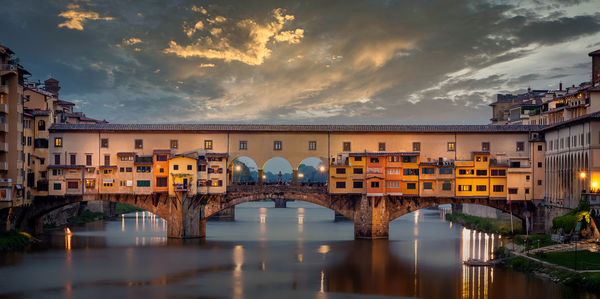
<point>237,169</point>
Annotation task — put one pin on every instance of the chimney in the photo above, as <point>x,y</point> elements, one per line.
<point>560,86</point>
<point>51,85</point>
<point>595,66</point>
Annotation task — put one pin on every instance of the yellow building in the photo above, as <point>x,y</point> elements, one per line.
<point>182,174</point>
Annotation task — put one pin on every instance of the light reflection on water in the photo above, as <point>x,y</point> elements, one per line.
<point>271,253</point>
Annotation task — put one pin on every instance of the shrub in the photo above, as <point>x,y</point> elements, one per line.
<point>566,222</point>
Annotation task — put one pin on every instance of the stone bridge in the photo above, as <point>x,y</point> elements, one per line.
<point>186,214</point>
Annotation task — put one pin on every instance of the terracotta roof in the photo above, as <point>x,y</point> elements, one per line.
<point>105,127</point>
<point>65,103</point>
<point>108,166</point>
<point>161,151</point>
<point>66,166</point>
<point>591,116</point>
<point>216,155</point>
<point>126,153</point>
<point>38,112</point>
<point>382,154</point>
<point>595,53</point>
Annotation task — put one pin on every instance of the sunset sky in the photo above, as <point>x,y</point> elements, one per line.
<point>404,62</point>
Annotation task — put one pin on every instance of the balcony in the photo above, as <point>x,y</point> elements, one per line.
<point>4,88</point>
<point>3,147</point>
<point>3,128</point>
<point>181,187</point>
<point>3,165</point>
<point>3,108</point>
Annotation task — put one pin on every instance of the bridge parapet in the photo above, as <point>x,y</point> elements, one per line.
<point>274,189</point>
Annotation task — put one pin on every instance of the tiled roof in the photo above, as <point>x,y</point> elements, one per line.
<point>161,151</point>
<point>591,116</point>
<point>382,154</point>
<point>38,112</point>
<point>597,52</point>
<point>106,127</point>
<point>126,153</point>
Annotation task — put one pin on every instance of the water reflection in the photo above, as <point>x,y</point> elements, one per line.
<point>238,282</point>
<point>477,245</point>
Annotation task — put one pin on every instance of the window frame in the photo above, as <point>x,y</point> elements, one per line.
<point>416,146</point>
<point>277,145</point>
<point>451,146</point>
<point>208,144</point>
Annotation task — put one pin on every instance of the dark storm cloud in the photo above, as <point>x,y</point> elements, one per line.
<point>288,61</point>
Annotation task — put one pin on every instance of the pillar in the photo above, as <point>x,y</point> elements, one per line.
<point>294,176</point>
<point>371,220</point>
<point>224,215</point>
<point>260,177</point>
<point>280,203</point>
<point>185,220</point>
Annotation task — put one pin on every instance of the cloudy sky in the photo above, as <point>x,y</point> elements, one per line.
<point>300,61</point>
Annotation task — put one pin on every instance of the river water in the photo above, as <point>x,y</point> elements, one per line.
<point>297,252</point>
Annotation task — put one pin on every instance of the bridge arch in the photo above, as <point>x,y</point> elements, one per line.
<point>243,169</point>
<point>312,170</point>
<point>273,166</point>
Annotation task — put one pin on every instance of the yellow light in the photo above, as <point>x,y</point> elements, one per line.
<point>595,185</point>
<point>67,231</point>
<point>301,175</point>
<point>322,168</point>
<point>238,168</point>
<point>582,175</point>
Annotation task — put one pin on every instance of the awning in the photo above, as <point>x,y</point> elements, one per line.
<point>108,180</point>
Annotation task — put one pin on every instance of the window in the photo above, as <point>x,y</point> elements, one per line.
<point>107,184</point>
<point>393,184</point>
<point>574,140</point>
<point>41,125</point>
<point>409,159</point>
<point>446,186</point>
<point>277,145</point>
<point>104,142</point>
<point>357,185</point>
<point>498,188</point>
<point>465,188</point>
<point>562,143</point>
<point>466,172</point>
<point>581,139</point>
<point>411,186</point>
<point>144,183</point>
<point>208,144</point>
<point>551,144</point>
<point>485,146</point>
<point>540,148</point>
<point>526,190</point>
<point>446,170</point>
<point>139,143</point>
<point>513,190</point>
<point>128,169</point>
<point>161,157</point>
<point>243,145</point>
<point>73,159</point>
<point>515,164</point>
<point>144,168</point>
<point>394,159</point>
<point>107,171</point>
<point>29,141</point>
<point>357,170</point>
<point>126,158</point>
<point>56,159</point>
<point>427,186</point>
<point>347,147</point>
<point>123,183</point>
<point>122,169</point>
<point>174,143</point>
<point>357,159</point>
<point>481,188</point>
<point>481,172</point>
<point>374,184</point>
<point>189,167</point>
<point>416,146</point>
<point>216,183</point>
<point>88,160</point>
<point>312,145</point>
<point>409,171</point>
<point>340,170</point>
<point>451,146</point>
<point>202,167</point>
<point>58,142</point>
<point>57,186</point>
<point>428,170</point>
<point>527,178</point>
<point>161,182</point>
<point>162,170</point>
<point>106,160</point>
<point>394,171</point>
<point>382,146</point>
<point>72,185</point>
<point>175,167</point>
<point>374,160</point>
<point>340,185</point>
<point>90,183</point>
<point>539,164</point>
<point>520,146</point>
<point>498,172</point>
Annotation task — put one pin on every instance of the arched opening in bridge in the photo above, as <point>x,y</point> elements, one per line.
<point>312,170</point>
<point>243,171</point>
<point>277,170</point>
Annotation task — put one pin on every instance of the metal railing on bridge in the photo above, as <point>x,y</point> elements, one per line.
<point>593,198</point>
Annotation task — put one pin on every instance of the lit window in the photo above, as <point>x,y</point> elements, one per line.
<point>208,144</point>
<point>347,146</point>
<point>416,146</point>
<point>451,146</point>
<point>58,142</point>
<point>277,145</point>
<point>312,145</point>
<point>174,143</point>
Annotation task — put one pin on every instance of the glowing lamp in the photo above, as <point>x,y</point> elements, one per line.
<point>594,185</point>
<point>582,174</point>
<point>301,175</point>
<point>322,168</point>
<point>238,168</point>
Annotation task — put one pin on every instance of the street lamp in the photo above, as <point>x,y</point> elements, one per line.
<point>582,174</point>
<point>322,168</point>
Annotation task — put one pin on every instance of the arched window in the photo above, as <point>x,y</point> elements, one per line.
<point>41,125</point>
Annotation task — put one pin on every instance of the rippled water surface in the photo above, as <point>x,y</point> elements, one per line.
<point>297,252</point>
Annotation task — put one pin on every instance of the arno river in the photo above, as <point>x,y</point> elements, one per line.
<point>297,252</point>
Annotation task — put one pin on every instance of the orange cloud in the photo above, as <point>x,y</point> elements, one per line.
<point>76,17</point>
<point>252,51</point>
